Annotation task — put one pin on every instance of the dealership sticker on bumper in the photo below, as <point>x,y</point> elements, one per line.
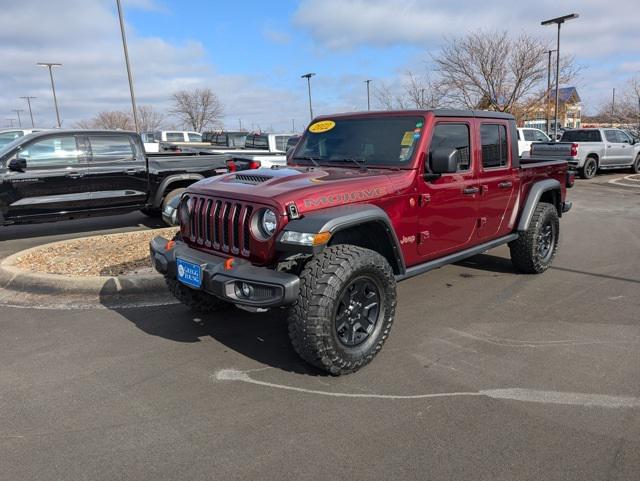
<point>189,273</point>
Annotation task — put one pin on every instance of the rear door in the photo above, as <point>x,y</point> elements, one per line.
<point>628,152</point>
<point>54,181</point>
<point>495,178</point>
<point>614,148</point>
<point>117,171</point>
<point>448,205</point>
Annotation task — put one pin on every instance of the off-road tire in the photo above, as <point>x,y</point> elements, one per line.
<point>525,251</point>
<point>589,169</point>
<point>197,300</point>
<point>635,168</point>
<point>324,282</point>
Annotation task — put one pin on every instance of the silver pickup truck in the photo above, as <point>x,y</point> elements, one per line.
<point>588,150</point>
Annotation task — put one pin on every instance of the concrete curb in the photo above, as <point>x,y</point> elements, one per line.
<point>20,280</point>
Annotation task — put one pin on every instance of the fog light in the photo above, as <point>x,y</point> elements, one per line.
<point>246,289</point>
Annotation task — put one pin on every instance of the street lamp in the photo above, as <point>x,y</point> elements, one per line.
<point>368,97</point>
<point>308,77</point>
<point>126,61</point>
<point>558,21</point>
<point>17,111</point>
<point>50,65</point>
<point>28,99</point>
<point>546,109</point>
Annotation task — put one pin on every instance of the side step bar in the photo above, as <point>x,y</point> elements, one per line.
<point>455,257</point>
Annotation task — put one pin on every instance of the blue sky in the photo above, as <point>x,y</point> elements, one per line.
<point>252,53</point>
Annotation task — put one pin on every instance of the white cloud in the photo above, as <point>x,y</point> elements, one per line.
<point>84,36</point>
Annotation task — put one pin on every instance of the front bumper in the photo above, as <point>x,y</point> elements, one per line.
<point>269,288</point>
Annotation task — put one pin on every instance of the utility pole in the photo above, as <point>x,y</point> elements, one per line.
<point>368,96</point>
<point>50,65</point>
<point>28,99</point>
<point>240,124</point>
<point>126,61</point>
<point>17,111</point>
<point>549,52</point>
<point>558,21</point>
<point>308,77</point>
<point>293,126</point>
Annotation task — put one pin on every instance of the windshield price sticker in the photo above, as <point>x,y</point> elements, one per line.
<point>322,126</point>
<point>407,138</point>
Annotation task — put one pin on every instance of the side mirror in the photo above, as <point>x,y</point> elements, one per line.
<point>18,164</point>
<point>443,161</point>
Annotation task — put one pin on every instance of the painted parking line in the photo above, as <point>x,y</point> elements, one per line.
<point>511,394</point>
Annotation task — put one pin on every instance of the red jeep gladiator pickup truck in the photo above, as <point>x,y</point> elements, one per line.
<point>367,199</point>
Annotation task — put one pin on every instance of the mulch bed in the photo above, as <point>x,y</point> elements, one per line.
<point>106,255</point>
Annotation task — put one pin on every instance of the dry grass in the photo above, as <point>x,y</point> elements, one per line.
<point>106,255</point>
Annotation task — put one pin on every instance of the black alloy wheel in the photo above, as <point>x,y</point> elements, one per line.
<point>357,311</point>
<point>546,240</point>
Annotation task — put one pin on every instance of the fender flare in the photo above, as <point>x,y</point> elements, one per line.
<point>336,219</point>
<point>535,193</point>
<point>162,188</point>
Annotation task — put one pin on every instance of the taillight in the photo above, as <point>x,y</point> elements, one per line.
<point>571,178</point>
<point>574,150</point>
<point>231,165</point>
<point>254,164</point>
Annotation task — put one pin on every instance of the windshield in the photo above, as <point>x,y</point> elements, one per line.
<point>8,137</point>
<point>6,148</point>
<point>385,141</point>
<point>581,136</point>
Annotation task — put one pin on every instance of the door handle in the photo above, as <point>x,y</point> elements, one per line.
<point>132,171</point>
<point>505,185</point>
<point>74,175</point>
<point>470,190</point>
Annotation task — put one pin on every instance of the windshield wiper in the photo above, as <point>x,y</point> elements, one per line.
<point>315,162</point>
<point>359,162</point>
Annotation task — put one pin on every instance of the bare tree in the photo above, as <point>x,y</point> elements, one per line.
<point>492,71</point>
<point>625,112</point>
<point>413,91</point>
<point>197,108</point>
<point>149,119</point>
<point>108,119</point>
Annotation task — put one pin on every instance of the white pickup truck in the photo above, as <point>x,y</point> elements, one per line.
<point>589,150</point>
<point>528,135</point>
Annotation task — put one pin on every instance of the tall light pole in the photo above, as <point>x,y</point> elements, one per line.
<point>558,21</point>
<point>126,61</point>
<point>50,65</point>
<point>28,99</point>
<point>549,52</point>
<point>368,81</point>
<point>613,105</point>
<point>293,126</point>
<point>17,111</point>
<point>308,77</point>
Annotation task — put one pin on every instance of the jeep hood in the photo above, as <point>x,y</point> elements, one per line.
<point>310,188</point>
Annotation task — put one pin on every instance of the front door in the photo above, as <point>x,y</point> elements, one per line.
<point>54,181</point>
<point>447,205</point>
<point>117,172</point>
<point>496,179</point>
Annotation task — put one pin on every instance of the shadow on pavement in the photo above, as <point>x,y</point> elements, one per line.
<point>262,337</point>
<point>489,263</point>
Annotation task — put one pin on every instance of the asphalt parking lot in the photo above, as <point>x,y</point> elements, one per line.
<point>487,375</point>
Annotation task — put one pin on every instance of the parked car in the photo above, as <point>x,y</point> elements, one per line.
<point>528,135</point>
<point>225,140</point>
<point>62,174</point>
<point>368,200</point>
<point>9,135</point>
<point>588,150</point>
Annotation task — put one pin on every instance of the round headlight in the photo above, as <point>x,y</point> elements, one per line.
<point>268,222</point>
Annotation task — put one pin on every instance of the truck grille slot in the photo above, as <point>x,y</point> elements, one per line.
<point>219,225</point>
<point>251,179</point>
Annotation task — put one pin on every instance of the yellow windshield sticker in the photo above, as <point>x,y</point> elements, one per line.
<point>407,139</point>
<point>322,126</point>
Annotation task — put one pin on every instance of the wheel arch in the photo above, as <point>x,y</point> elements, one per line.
<point>547,190</point>
<point>361,225</point>
<point>173,182</point>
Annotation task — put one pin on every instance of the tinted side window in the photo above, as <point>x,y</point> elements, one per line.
<point>194,137</point>
<point>623,137</point>
<point>581,136</point>
<point>494,145</point>
<point>539,136</point>
<point>453,136</point>
<point>51,151</point>
<point>257,142</point>
<point>611,136</point>
<point>281,142</point>
<point>529,135</point>
<point>111,147</point>
<point>175,137</point>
